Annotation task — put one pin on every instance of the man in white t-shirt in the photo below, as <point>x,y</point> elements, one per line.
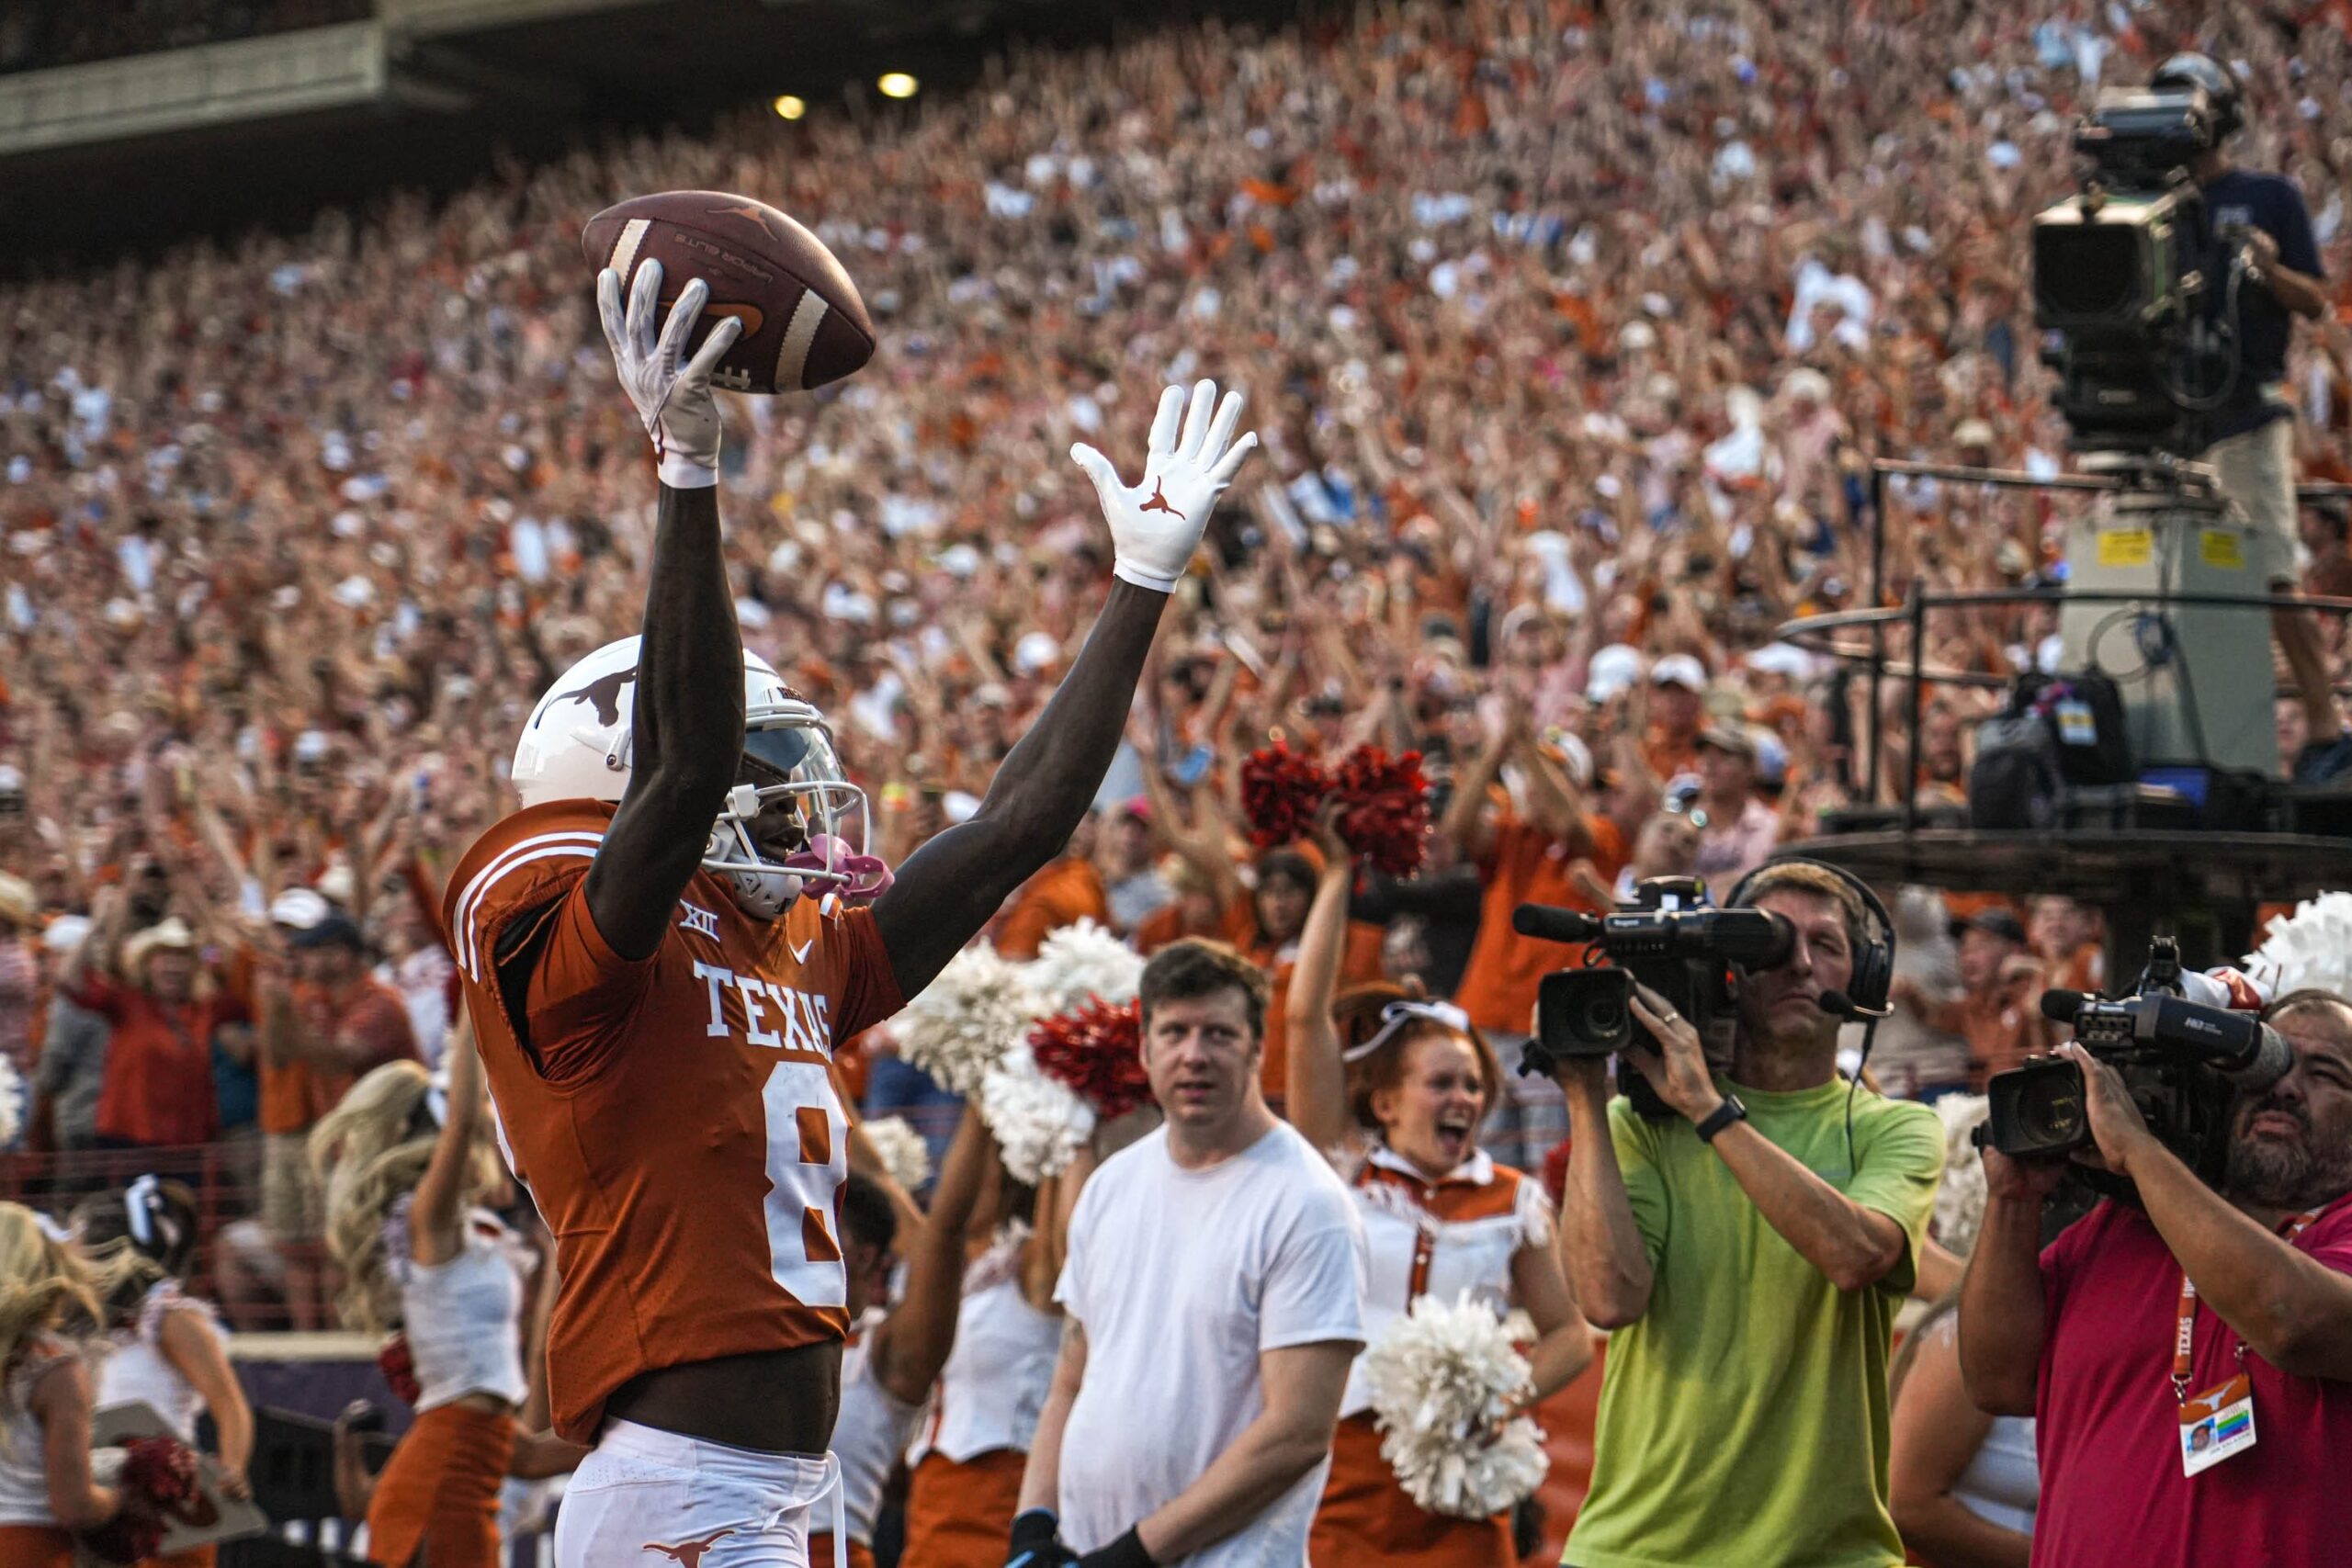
<point>1213,1297</point>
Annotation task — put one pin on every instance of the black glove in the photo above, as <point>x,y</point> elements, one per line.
<point>1038,1542</point>
<point>1127,1551</point>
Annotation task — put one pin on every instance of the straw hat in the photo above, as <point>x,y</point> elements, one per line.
<point>18,903</point>
<point>171,932</point>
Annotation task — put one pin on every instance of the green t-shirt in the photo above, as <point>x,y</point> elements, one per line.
<point>1744,1417</point>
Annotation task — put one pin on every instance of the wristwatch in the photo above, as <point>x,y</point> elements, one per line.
<point>1721,1117</point>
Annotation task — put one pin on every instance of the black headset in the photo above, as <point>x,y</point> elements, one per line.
<point>1873,974</point>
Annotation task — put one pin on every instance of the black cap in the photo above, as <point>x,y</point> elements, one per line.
<point>335,931</point>
<point>2000,922</point>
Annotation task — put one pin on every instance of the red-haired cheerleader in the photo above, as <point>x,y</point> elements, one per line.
<point>1394,1089</point>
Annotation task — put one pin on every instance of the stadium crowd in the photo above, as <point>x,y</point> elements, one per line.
<point>1570,335</point>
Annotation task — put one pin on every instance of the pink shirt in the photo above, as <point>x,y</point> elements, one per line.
<point>2110,1428</point>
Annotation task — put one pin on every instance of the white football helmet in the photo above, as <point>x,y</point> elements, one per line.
<point>577,747</point>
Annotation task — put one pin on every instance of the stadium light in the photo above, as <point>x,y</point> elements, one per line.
<point>896,85</point>
<point>789,108</point>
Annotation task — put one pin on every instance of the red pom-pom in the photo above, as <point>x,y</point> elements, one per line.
<point>162,1470</point>
<point>400,1369</point>
<point>1385,808</point>
<point>1097,1051</point>
<point>1280,790</point>
<point>159,1479</point>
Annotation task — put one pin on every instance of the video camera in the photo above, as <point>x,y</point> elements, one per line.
<point>2120,271</point>
<point>1666,939</point>
<point>2183,1061</point>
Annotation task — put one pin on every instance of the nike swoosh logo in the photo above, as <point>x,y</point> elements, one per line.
<point>800,954</point>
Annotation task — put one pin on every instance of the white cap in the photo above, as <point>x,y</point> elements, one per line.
<point>298,908</point>
<point>65,933</point>
<point>1614,670</point>
<point>1037,652</point>
<point>1782,659</point>
<point>1680,670</point>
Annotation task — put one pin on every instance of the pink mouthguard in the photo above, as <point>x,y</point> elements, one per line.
<point>829,859</point>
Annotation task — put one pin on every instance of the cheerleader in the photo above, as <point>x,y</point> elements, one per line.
<point>46,1489</point>
<point>1393,1089</point>
<point>964,1465</point>
<point>164,1348</point>
<point>894,1356</point>
<point>405,1176</point>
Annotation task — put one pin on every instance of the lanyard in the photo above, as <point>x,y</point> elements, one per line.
<point>2288,1230</point>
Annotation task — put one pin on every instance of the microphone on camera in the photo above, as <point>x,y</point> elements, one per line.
<point>1546,923</point>
<point>1838,1004</point>
<point>2060,1006</point>
<point>2236,1044</point>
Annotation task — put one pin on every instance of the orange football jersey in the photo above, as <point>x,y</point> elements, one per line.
<point>674,1117</point>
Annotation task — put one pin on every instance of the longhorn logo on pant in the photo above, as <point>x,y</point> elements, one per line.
<point>688,1553</point>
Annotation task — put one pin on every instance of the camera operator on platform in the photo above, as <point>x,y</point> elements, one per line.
<point>2150,1458</point>
<point>2263,218</point>
<point>1750,1269</point>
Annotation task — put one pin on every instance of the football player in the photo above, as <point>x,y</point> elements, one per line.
<point>662,949</point>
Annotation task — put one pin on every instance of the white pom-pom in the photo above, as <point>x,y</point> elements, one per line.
<point>1039,1122</point>
<point>904,1153</point>
<point>13,1097</point>
<point>1960,1201</point>
<point>1443,1382</point>
<point>965,1020</point>
<point>2311,948</point>
<point>1081,960</point>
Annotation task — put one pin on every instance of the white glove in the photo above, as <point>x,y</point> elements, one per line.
<point>1155,526</point>
<point>675,403</point>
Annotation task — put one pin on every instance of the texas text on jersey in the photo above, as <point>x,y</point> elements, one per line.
<point>674,1118</point>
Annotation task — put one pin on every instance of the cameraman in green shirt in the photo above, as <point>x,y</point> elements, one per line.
<point>1750,1268</point>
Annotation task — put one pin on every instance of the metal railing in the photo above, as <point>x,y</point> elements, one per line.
<point>1816,633</point>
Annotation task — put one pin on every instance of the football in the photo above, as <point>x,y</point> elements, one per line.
<point>803,323</point>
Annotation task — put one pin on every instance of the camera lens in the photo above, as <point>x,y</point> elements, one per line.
<point>2052,1115</point>
<point>1604,1017</point>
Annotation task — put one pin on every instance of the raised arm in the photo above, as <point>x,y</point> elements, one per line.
<point>436,1220</point>
<point>1465,819</point>
<point>95,956</point>
<point>915,1341</point>
<point>686,738</point>
<point>956,882</point>
<point>1852,1244</point>
<point>1601,1253</point>
<point>1202,844</point>
<point>2293,1310</point>
<point>2002,1321</point>
<point>1317,1084</point>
